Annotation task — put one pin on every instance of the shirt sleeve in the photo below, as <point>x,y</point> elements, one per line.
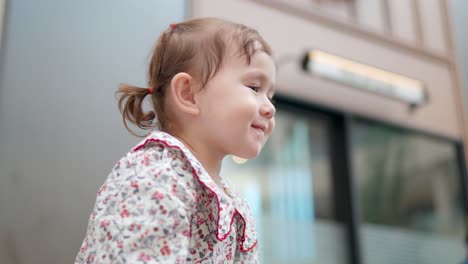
<point>144,219</point>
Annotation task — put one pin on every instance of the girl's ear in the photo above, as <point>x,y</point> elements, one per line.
<point>183,90</point>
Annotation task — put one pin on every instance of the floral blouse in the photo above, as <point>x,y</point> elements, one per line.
<point>159,205</point>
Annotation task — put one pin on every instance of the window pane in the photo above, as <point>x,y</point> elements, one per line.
<point>289,190</point>
<point>410,197</point>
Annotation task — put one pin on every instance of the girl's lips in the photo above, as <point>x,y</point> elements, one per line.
<point>259,127</point>
<point>259,131</point>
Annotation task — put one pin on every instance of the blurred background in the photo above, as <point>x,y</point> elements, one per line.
<point>367,163</point>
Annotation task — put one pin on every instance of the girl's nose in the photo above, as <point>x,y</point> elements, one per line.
<point>267,109</point>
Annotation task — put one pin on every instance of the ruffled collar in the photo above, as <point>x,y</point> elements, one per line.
<point>228,206</point>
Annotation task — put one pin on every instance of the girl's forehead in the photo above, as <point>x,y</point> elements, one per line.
<point>261,65</point>
<point>260,61</point>
<point>241,59</point>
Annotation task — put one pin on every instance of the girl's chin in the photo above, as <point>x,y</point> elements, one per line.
<point>250,153</point>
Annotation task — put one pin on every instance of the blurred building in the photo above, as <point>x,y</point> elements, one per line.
<point>366,164</point>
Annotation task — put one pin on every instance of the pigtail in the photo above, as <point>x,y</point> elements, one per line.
<point>130,102</point>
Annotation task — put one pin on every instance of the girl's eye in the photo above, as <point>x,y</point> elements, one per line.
<point>254,88</point>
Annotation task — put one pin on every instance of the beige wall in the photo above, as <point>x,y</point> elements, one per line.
<point>414,22</point>
<point>390,42</point>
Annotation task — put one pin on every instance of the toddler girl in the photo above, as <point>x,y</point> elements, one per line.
<point>210,84</point>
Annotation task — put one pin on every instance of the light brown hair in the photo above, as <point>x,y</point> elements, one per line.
<point>195,46</point>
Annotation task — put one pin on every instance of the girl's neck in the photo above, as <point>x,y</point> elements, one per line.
<point>210,162</point>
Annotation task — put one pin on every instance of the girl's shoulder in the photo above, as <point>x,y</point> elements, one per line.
<point>162,150</point>
<point>161,146</point>
<point>158,157</point>
<point>155,168</point>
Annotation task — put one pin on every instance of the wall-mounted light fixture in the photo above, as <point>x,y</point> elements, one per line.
<point>365,77</point>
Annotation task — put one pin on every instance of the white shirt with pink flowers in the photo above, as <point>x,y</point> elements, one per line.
<point>159,205</point>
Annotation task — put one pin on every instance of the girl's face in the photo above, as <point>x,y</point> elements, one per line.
<point>237,115</point>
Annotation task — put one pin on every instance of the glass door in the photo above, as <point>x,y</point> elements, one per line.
<point>409,194</point>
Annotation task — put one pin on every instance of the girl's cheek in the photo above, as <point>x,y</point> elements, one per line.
<point>272,123</point>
